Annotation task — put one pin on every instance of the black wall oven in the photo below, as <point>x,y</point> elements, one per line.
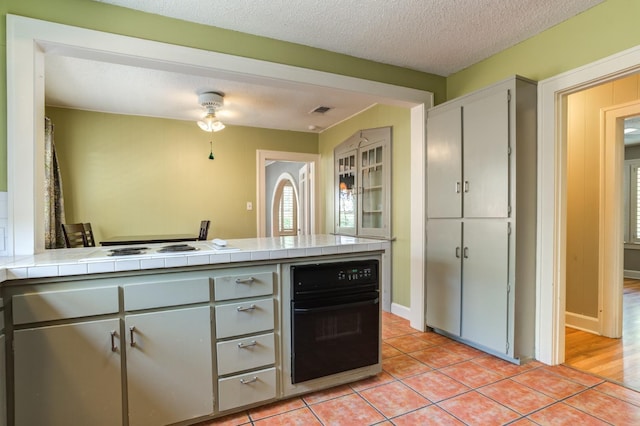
<point>335,318</point>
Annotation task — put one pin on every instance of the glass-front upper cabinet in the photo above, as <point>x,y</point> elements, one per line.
<point>346,193</point>
<point>363,190</point>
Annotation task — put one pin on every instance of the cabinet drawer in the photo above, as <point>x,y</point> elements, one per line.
<point>246,285</point>
<point>246,389</point>
<point>165,293</point>
<point>251,316</point>
<point>245,354</point>
<point>55,305</point>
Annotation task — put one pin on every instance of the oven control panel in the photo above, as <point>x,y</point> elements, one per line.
<point>355,273</point>
<point>325,276</point>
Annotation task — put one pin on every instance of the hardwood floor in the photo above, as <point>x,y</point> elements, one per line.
<point>615,359</point>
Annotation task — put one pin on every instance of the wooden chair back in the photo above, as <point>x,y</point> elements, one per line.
<point>91,242</point>
<point>78,235</point>
<point>204,230</point>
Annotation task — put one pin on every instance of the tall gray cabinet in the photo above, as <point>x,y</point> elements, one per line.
<point>481,212</point>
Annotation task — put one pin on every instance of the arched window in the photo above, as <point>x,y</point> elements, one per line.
<point>285,209</point>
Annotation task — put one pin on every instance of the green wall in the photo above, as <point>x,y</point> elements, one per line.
<point>601,31</point>
<point>379,116</point>
<point>139,175</point>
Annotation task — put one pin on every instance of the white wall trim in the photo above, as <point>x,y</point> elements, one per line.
<point>401,311</point>
<point>417,263</point>
<point>4,223</point>
<point>30,40</point>
<point>629,273</point>
<point>551,232</point>
<point>582,322</point>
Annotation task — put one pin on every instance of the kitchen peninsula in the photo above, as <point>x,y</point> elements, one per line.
<point>160,338</point>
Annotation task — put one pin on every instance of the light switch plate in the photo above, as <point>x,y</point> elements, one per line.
<point>249,205</point>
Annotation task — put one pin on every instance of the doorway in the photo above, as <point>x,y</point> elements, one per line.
<point>275,168</point>
<point>596,218</point>
<point>286,206</point>
<point>551,212</point>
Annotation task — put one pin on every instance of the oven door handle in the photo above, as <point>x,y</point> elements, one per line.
<point>336,307</point>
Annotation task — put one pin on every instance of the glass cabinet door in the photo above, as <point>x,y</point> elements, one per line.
<point>346,200</point>
<point>371,178</point>
<point>373,197</point>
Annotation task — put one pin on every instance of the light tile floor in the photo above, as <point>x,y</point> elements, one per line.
<point>428,379</point>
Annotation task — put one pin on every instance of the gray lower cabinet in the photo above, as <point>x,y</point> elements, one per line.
<point>169,365</point>
<point>68,374</point>
<point>246,339</point>
<point>444,275</point>
<point>3,383</point>
<point>140,350</point>
<point>485,284</point>
<point>467,280</point>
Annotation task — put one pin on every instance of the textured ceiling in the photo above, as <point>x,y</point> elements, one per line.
<point>436,36</point>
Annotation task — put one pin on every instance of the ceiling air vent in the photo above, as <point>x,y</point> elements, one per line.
<point>320,110</point>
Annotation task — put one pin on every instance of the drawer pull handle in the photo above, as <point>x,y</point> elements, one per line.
<point>242,345</point>
<point>245,280</point>
<point>248,308</point>
<point>132,329</point>
<point>114,348</point>
<point>246,382</point>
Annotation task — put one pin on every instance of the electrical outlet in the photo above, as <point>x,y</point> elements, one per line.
<point>249,205</point>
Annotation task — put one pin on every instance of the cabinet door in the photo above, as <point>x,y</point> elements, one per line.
<point>444,164</point>
<point>68,375</point>
<point>375,183</point>
<point>3,383</point>
<point>485,271</point>
<point>346,192</point>
<point>486,156</point>
<point>169,366</point>
<point>444,249</point>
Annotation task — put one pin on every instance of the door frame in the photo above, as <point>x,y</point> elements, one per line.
<point>611,256</point>
<point>264,156</point>
<point>552,202</point>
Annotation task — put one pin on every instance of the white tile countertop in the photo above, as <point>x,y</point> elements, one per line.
<point>94,260</point>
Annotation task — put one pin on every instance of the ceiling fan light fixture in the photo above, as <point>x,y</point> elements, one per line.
<point>211,101</point>
<point>210,123</point>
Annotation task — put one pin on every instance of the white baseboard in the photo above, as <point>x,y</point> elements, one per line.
<point>582,322</point>
<point>401,311</point>
<point>629,273</point>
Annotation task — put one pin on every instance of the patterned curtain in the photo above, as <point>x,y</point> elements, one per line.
<point>53,201</point>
